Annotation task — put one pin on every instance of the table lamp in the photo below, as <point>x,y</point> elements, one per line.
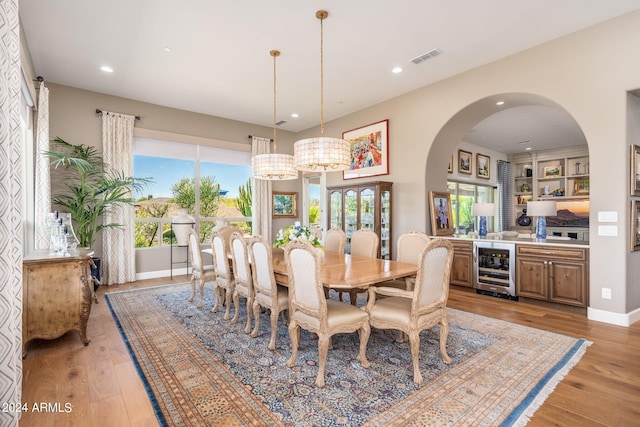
<point>483,210</point>
<point>542,209</point>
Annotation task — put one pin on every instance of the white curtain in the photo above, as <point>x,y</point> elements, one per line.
<point>11,190</point>
<point>42,178</point>
<point>118,247</point>
<point>261,211</point>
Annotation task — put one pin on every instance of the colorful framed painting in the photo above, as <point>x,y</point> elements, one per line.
<point>441,221</point>
<point>368,151</point>
<point>552,171</point>
<point>581,187</point>
<point>285,204</point>
<point>635,170</point>
<point>635,226</point>
<point>464,162</point>
<point>483,166</point>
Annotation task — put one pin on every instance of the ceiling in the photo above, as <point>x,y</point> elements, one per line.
<point>219,62</point>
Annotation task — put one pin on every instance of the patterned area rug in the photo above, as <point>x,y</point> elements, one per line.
<point>201,370</point>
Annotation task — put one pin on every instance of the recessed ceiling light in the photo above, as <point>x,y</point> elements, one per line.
<point>295,115</point>
<point>528,148</point>
<point>397,70</point>
<point>500,103</point>
<point>167,49</point>
<point>106,69</point>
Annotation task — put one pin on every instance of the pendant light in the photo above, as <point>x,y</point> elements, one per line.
<point>274,166</point>
<point>321,153</point>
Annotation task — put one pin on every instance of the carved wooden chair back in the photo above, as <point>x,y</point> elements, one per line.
<point>224,282</point>
<point>242,276</point>
<point>365,243</point>
<point>200,272</point>
<point>335,240</point>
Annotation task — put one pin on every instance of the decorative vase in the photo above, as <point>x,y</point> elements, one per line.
<point>181,225</point>
<point>524,220</point>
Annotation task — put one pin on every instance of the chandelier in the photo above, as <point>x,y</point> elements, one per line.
<point>321,152</point>
<point>274,166</point>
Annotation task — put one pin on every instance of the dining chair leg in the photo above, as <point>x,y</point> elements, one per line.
<point>274,329</point>
<point>323,349</point>
<point>256,316</point>
<point>199,304</point>
<point>247,328</point>
<point>414,340</point>
<point>217,294</point>
<point>444,332</point>
<point>193,288</point>
<point>363,335</point>
<point>294,337</point>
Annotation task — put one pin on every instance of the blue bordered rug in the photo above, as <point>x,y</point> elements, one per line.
<point>201,370</point>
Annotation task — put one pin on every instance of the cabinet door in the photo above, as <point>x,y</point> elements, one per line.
<point>462,269</point>
<point>568,282</point>
<point>531,278</point>
<point>350,215</point>
<point>335,209</point>
<point>367,209</point>
<point>385,224</point>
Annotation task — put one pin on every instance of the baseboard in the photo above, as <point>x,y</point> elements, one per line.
<point>613,318</point>
<point>161,273</point>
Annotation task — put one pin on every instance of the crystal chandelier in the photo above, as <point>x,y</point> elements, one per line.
<point>274,166</point>
<point>321,153</point>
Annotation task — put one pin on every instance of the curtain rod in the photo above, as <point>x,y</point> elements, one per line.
<point>99,111</point>
<point>251,136</point>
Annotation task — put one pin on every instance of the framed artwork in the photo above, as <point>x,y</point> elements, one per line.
<point>635,226</point>
<point>441,222</point>
<point>368,151</point>
<point>483,166</point>
<point>581,187</point>
<point>635,170</point>
<point>552,171</point>
<point>450,169</point>
<point>285,204</point>
<point>464,162</point>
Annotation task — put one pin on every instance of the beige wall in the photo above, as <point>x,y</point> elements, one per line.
<point>587,73</point>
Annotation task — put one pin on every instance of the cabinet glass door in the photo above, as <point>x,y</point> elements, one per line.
<point>350,216</point>
<point>335,199</point>
<point>367,209</point>
<point>385,224</point>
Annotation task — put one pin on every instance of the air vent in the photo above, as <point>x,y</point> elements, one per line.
<point>428,55</point>
<point>281,122</point>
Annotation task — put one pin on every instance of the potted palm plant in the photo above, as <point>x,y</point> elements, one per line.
<point>90,188</point>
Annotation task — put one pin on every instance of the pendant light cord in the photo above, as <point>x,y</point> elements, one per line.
<point>322,16</point>
<point>275,54</point>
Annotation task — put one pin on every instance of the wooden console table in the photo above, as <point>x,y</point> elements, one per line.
<point>56,296</point>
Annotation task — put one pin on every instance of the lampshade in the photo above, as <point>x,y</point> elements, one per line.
<point>483,209</point>
<point>274,166</point>
<point>321,153</point>
<point>542,208</point>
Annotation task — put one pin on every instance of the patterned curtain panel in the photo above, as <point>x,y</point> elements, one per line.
<point>118,244</point>
<point>42,178</point>
<point>505,192</point>
<point>261,194</point>
<point>11,190</point>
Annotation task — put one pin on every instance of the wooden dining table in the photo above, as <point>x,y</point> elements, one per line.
<point>345,272</point>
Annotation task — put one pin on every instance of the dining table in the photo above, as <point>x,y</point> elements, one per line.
<point>345,272</point>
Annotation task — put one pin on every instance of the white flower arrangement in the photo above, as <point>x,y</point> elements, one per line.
<point>296,232</point>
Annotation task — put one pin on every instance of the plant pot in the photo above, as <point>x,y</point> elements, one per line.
<point>182,225</point>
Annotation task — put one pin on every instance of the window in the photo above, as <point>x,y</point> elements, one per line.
<point>463,196</point>
<point>212,183</point>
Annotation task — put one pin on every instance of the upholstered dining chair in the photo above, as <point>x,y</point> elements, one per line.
<point>364,243</point>
<point>408,248</point>
<point>421,308</point>
<point>335,240</point>
<point>226,232</point>
<point>267,293</point>
<point>224,282</point>
<point>310,310</point>
<point>242,276</point>
<point>200,272</point>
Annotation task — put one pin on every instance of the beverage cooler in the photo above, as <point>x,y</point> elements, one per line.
<point>494,269</point>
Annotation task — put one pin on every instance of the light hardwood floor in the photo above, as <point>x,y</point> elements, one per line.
<point>102,386</point>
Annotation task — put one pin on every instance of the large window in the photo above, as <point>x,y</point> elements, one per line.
<point>213,184</point>
<point>463,196</point>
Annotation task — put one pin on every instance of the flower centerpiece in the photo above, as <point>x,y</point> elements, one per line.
<point>296,232</point>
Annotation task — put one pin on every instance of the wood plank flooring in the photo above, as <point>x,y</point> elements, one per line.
<point>103,388</point>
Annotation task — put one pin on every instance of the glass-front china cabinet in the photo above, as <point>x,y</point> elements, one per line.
<point>363,206</point>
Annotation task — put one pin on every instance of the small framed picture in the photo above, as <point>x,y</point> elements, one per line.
<point>635,226</point>
<point>581,187</point>
<point>285,204</point>
<point>635,170</point>
<point>483,166</point>
<point>464,162</point>
<point>441,222</point>
<point>450,169</point>
<point>552,171</point>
